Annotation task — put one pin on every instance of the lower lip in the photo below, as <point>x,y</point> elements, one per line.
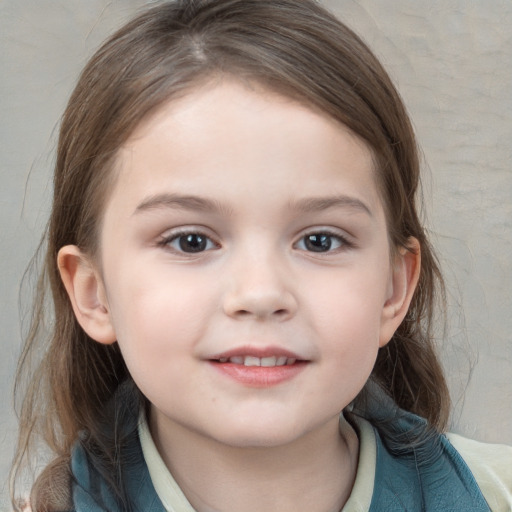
<point>260,376</point>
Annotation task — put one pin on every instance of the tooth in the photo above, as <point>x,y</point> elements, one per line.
<point>223,360</point>
<point>290,361</point>
<point>236,360</point>
<point>252,361</point>
<point>268,361</point>
<point>281,361</point>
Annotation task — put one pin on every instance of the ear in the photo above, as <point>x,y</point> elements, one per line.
<point>86,293</point>
<point>403,280</point>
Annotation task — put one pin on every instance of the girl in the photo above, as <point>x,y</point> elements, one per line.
<point>235,257</point>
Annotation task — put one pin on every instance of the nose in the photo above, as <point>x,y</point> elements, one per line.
<point>260,288</point>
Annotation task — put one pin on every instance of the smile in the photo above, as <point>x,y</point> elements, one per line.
<point>267,362</point>
<point>257,367</point>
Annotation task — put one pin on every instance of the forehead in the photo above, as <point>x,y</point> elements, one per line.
<point>225,131</point>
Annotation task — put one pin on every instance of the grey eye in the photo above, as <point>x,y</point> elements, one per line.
<point>190,243</point>
<point>320,242</point>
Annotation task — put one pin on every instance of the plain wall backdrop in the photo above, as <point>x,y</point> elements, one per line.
<point>451,61</point>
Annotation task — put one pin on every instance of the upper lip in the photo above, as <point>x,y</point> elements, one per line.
<point>260,352</point>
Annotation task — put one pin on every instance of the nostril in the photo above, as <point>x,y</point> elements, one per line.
<point>277,313</point>
<point>259,304</point>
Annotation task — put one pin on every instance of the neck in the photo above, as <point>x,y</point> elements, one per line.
<point>314,473</point>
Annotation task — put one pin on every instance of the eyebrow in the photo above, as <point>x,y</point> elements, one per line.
<point>181,202</point>
<point>317,204</point>
<point>197,203</point>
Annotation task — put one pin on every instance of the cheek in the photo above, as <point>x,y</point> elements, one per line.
<point>346,313</point>
<point>349,300</point>
<point>157,335</point>
<point>158,313</point>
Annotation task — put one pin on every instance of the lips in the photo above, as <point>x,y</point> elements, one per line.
<point>259,367</point>
<point>267,362</point>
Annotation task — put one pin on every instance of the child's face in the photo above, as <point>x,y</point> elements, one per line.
<point>244,226</point>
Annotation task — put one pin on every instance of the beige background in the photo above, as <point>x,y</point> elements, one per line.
<point>451,60</point>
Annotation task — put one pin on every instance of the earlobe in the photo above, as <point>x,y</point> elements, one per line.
<point>404,279</point>
<point>86,292</point>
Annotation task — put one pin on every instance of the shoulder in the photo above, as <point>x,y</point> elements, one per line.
<point>491,465</point>
<point>419,469</point>
<point>93,488</point>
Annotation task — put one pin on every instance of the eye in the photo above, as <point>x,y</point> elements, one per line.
<point>321,242</point>
<point>190,242</point>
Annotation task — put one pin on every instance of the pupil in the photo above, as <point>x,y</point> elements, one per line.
<point>318,243</point>
<point>192,243</point>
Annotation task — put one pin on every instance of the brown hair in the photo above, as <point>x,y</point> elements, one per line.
<point>292,46</point>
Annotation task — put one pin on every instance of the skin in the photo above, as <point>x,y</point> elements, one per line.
<point>269,173</point>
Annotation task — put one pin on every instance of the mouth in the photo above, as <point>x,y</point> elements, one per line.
<point>267,362</point>
<point>259,367</point>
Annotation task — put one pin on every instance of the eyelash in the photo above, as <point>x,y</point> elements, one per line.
<point>177,236</point>
<point>320,235</point>
<point>314,237</point>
